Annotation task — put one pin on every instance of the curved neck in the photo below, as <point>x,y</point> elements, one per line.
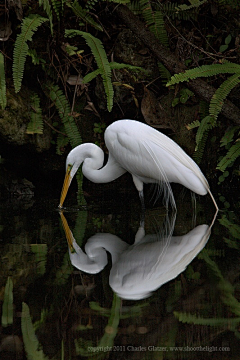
<point>111,171</point>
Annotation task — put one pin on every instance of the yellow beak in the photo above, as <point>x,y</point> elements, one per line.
<point>66,184</point>
<point>68,232</point>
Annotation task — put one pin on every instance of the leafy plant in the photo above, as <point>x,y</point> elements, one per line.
<point>35,126</point>
<point>31,343</point>
<point>7,307</point>
<point>64,110</point>
<point>83,14</point>
<point>215,106</point>
<point>3,97</point>
<point>29,26</point>
<point>100,56</point>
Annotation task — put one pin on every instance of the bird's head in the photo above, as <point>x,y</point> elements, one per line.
<point>72,164</point>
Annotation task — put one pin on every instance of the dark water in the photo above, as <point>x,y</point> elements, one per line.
<point>52,310</point>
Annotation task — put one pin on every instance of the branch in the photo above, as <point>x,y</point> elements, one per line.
<point>172,63</point>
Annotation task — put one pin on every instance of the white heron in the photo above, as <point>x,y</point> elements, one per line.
<point>138,269</point>
<point>147,154</point>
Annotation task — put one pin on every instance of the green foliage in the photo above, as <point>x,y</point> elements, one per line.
<point>100,56</point>
<point>48,9</point>
<point>64,110</point>
<point>194,4</point>
<point>234,229</point>
<point>62,142</point>
<point>31,343</point>
<point>35,125</point>
<point>40,252</point>
<point>7,307</point>
<point>83,14</point>
<point>232,154</point>
<point>29,26</point>
<point>205,71</point>
<point>199,320</point>
<point>215,106</point>
<point>3,97</point>
<point>221,93</point>
<point>58,7</point>
<point>154,20</point>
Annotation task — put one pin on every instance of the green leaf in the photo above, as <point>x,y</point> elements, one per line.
<point>31,343</point>
<point>7,307</point>
<point>35,125</point>
<point>29,26</point>
<point>232,154</point>
<point>100,56</point>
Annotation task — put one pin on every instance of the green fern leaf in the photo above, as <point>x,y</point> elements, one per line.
<point>194,4</point>
<point>62,142</point>
<point>232,154</point>
<point>29,26</point>
<point>221,93</point>
<point>206,124</point>
<point>3,97</point>
<point>193,125</point>
<point>58,7</point>
<point>35,125</point>
<point>31,343</point>
<point>165,74</point>
<point>205,71</point>
<point>62,105</point>
<point>7,307</point>
<point>100,56</point>
<point>47,7</point>
<point>83,15</point>
<point>228,136</point>
<point>92,75</point>
<point>198,320</point>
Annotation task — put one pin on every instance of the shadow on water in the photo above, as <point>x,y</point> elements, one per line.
<point>153,293</point>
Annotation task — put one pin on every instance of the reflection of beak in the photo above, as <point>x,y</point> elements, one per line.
<point>68,232</point>
<point>66,184</point>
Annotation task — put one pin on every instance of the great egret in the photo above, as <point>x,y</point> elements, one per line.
<point>148,155</point>
<point>138,269</point>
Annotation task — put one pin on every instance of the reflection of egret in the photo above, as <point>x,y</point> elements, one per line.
<point>147,154</point>
<point>143,267</point>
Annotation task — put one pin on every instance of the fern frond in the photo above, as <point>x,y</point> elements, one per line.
<point>83,15</point>
<point>7,306</point>
<point>164,73</point>
<point>63,107</point>
<point>194,4</point>
<point>31,343</point>
<point>171,9</point>
<point>205,71</point>
<point>47,7</point>
<point>193,125</point>
<point>228,136</point>
<point>3,96</point>
<point>154,20</point>
<point>58,7</point>
<point>221,93</point>
<point>198,320</point>
<point>100,56</point>
<point>206,124</point>
<point>35,125</point>
<point>89,77</point>
<point>62,141</point>
<point>201,137</point>
<point>29,26</point>
<point>117,66</point>
<point>198,154</point>
<point>232,154</point>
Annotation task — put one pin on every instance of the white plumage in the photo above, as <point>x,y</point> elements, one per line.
<point>147,154</point>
